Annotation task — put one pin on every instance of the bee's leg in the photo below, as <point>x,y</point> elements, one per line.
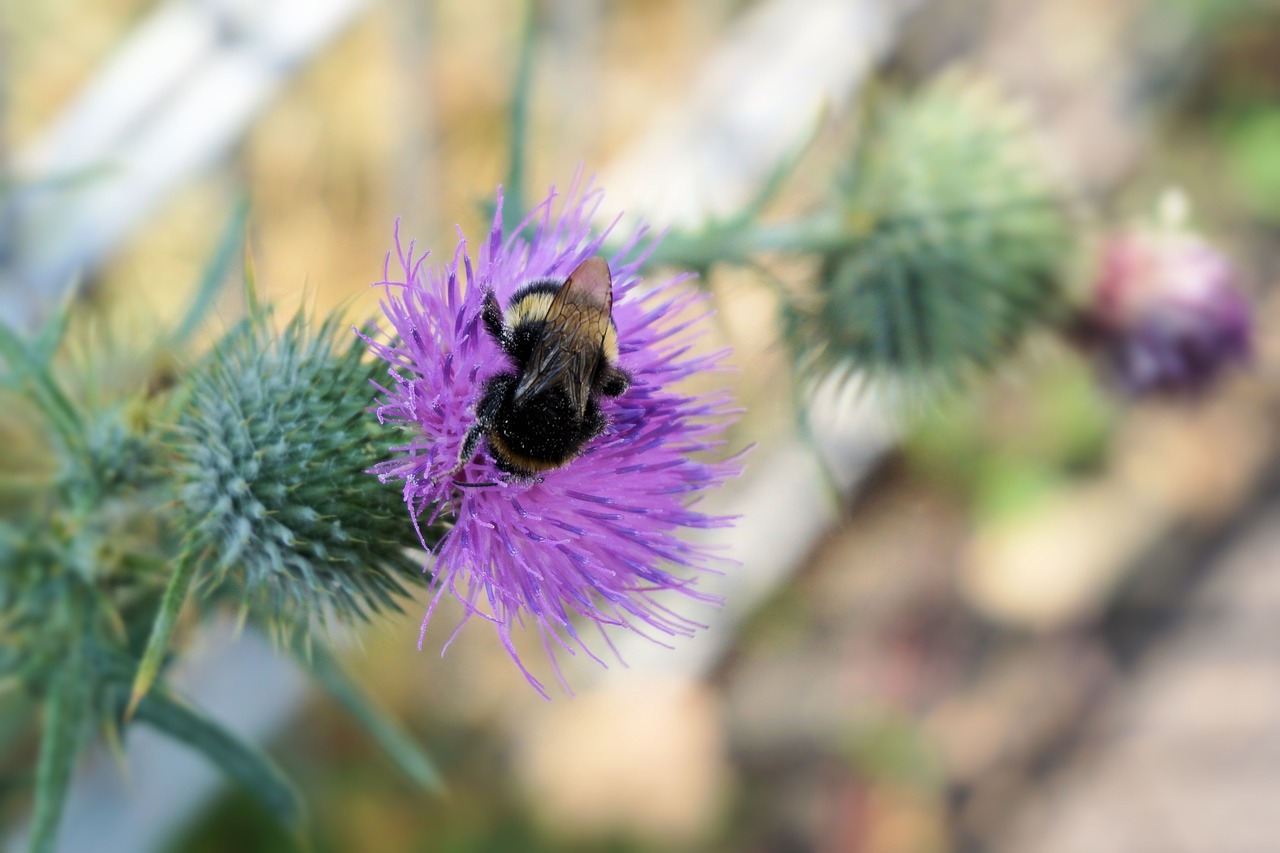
<point>492,317</point>
<point>470,443</point>
<point>594,422</point>
<point>615,382</point>
<point>495,389</point>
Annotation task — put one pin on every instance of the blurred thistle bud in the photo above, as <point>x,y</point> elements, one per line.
<point>956,237</point>
<point>33,578</point>
<point>273,446</point>
<point>1166,313</point>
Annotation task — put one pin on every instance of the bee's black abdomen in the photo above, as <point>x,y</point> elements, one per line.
<point>545,431</point>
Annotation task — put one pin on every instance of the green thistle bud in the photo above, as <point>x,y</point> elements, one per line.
<point>273,445</point>
<point>956,241</point>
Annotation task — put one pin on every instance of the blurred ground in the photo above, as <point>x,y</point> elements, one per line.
<point>1186,755</point>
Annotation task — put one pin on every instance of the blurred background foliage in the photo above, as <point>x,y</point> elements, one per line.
<point>941,672</point>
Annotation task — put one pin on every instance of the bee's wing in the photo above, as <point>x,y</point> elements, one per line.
<point>572,342</point>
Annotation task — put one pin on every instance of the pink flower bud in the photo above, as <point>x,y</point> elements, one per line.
<point>1167,313</point>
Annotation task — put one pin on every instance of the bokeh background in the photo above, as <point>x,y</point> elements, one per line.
<point>1035,618</point>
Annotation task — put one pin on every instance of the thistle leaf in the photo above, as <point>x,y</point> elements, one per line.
<point>215,273</point>
<point>49,338</point>
<point>257,311</point>
<point>65,712</point>
<point>399,745</point>
<point>257,773</point>
<point>27,369</point>
<point>175,595</point>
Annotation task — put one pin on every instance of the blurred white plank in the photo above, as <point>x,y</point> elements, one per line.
<point>755,101</point>
<point>173,100</point>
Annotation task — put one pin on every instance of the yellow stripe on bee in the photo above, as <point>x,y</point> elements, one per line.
<point>534,306</point>
<point>611,343</point>
<point>531,307</point>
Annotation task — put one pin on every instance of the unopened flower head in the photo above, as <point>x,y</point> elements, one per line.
<point>956,238</point>
<point>270,458</point>
<point>598,539</point>
<point>1167,314</point>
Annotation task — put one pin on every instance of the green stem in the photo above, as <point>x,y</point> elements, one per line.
<point>20,486</point>
<point>819,234</point>
<point>43,388</point>
<point>215,273</point>
<point>514,205</point>
<point>399,745</point>
<point>822,233</point>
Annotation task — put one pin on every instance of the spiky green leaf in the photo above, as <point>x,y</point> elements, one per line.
<point>171,604</point>
<point>29,372</point>
<point>65,713</point>
<point>248,766</point>
<point>216,272</point>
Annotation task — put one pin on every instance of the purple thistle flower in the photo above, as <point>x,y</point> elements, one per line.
<point>1167,313</point>
<point>595,538</point>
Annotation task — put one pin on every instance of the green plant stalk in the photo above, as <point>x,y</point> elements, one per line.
<point>824,233</point>
<point>514,205</point>
<point>166,712</point>
<point>819,234</point>
<point>395,741</point>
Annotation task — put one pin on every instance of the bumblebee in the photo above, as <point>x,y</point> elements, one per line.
<point>563,347</point>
